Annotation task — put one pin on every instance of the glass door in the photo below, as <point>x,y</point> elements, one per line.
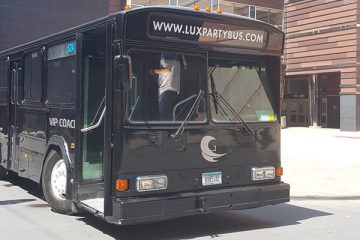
<point>90,161</point>
<point>93,114</point>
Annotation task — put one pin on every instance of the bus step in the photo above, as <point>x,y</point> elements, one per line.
<point>95,206</point>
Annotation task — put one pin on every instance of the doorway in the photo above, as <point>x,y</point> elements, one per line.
<point>16,79</point>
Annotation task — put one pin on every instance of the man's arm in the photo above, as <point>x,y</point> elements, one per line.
<point>161,71</point>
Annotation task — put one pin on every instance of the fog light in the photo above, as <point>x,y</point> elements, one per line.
<point>264,173</point>
<point>151,183</point>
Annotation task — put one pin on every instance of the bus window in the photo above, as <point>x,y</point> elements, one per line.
<point>165,86</point>
<point>61,73</point>
<point>244,87</point>
<point>3,80</point>
<point>33,77</point>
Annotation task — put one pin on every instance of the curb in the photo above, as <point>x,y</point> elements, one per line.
<point>321,198</point>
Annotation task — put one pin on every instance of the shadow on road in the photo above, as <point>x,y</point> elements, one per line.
<point>15,201</point>
<point>212,225</point>
<point>25,184</point>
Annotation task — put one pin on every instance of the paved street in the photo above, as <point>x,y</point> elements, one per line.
<point>321,163</point>
<point>325,204</point>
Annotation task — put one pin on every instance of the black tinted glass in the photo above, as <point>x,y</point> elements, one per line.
<point>3,80</point>
<point>61,76</point>
<point>33,77</point>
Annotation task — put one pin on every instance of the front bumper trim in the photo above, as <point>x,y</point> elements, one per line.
<point>139,210</point>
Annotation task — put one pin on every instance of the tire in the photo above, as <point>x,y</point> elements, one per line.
<point>53,182</point>
<point>3,173</point>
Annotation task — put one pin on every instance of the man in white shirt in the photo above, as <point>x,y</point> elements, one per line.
<point>169,84</point>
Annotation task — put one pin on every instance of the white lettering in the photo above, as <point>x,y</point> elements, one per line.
<point>248,35</point>
<point>215,33</point>
<point>204,31</point>
<point>186,29</point>
<point>157,25</point>
<point>192,30</point>
<point>64,123</point>
<point>67,123</point>
<point>53,122</point>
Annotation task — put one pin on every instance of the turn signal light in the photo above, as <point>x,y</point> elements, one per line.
<point>219,10</point>
<point>196,7</point>
<point>122,184</point>
<point>279,171</point>
<point>208,9</point>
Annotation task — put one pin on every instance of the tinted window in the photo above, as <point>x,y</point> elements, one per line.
<point>33,77</point>
<point>61,76</point>
<point>3,80</point>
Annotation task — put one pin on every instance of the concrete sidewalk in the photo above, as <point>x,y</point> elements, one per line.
<point>321,163</point>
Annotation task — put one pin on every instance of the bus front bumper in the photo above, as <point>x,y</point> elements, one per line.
<point>139,210</point>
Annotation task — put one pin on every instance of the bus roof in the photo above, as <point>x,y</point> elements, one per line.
<point>110,18</point>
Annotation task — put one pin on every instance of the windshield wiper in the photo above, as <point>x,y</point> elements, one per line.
<point>215,96</point>
<point>195,105</point>
<point>213,91</point>
<point>134,107</point>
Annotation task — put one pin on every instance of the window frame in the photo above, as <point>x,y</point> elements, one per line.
<point>46,71</point>
<point>22,97</point>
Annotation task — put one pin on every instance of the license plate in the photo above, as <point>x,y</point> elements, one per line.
<point>211,178</point>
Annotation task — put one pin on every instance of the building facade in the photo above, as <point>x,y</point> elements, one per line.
<point>270,11</point>
<point>22,21</point>
<point>322,84</point>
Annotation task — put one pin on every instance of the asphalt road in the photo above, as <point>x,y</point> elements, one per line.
<point>24,215</point>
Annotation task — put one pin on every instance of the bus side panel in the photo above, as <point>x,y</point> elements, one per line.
<point>4,123</point>
<point>62,123</point>
<point>32,133</point>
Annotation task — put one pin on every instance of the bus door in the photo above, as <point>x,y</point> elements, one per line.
<point>16,78</point>
<point>90,168</point>
<point>4,112</point>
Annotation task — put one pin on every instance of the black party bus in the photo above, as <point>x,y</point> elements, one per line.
<point>83,114</point>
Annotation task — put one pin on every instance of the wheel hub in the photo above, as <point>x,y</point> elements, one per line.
<point>58,179</point>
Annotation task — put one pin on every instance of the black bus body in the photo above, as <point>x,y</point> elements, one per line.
<point>79,114</point>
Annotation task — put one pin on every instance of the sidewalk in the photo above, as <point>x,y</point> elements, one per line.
<point>321,163</point>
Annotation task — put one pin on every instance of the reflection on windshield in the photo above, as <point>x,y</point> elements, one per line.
<point>244,88</point>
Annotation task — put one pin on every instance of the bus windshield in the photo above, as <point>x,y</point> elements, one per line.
<point>165,86</point>
<point>243,89</point>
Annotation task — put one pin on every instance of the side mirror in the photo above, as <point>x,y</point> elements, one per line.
<point>123,72</point>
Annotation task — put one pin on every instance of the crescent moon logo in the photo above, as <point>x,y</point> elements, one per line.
<point>207,153</point>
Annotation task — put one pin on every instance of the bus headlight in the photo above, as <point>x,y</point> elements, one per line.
<point>264,173</point>
<point>151,183</point>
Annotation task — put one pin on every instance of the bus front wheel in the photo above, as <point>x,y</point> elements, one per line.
<point>54,180</point>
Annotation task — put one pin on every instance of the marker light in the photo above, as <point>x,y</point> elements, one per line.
<point>122,184</point>
<point>196,7</point>
<point>264,173</point>
<point>219,10</point>
<point>279,171</point>
<point>151,183</point>
<point>127,7</point>
<point>208,9</point>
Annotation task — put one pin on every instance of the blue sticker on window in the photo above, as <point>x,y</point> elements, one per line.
<point>70,47</point>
